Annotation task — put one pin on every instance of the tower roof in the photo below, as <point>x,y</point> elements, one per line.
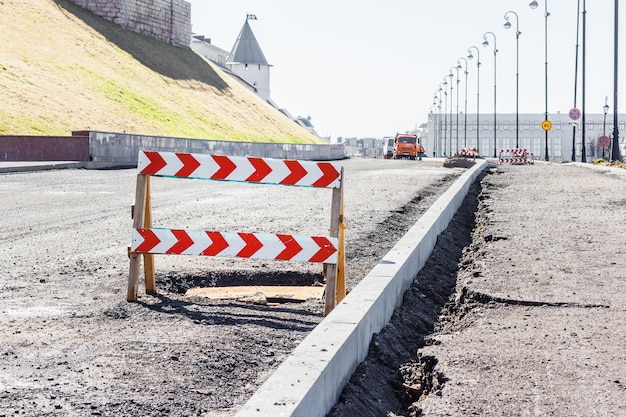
<point>246,49</point>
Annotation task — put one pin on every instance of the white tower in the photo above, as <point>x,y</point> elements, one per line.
<point>248,62</point>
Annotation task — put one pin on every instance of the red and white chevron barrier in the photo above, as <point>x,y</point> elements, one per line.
<point>147,241</point>
<point>238,168</point>
<point>468,154</point>
<point>514,161</point>
<point>282,247</point>
<point>516,151</point>
<point>516,156</point>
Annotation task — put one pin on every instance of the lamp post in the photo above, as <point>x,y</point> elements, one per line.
<point>445,113</point>
<point>583,156</point>
<point>465,107</point>
<point>432,115</point>
<point>439,92</point>
<point>533,5</point>
<point>575,80</point>
<point>451,75</point>
<point>437,104</point>
<point>615,147</point>
<point>470,57</point>
<point>456,143</point>
<point>606,110</point>
<point>507,25</point>
<point>495,95</point>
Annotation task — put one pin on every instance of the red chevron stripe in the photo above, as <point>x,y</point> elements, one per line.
<point>292,247</point>
<point>156,163</point>
<point>218,244</point>
<point>326,249</point>
<point>150,240</point>
<point>182,244</point>
<point>297,172</point>
<point>329,172</point>
<point>190,164</point>
<point>252,245</point>
<point>227,166</point>
<point>261,170</point>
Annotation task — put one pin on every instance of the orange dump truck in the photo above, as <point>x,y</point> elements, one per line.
<point>406,146</point>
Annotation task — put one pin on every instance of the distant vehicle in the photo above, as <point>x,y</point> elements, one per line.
<point>407,146</point>
<point>388,148</point>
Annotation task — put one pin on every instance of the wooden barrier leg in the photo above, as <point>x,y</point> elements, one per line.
<point>336,214</point>
<point>330,298</point>
<point>138,222</point>
<point>341,255</point>
<point>148,258</point>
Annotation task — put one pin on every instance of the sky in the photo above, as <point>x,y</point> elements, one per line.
<point>370,68</point>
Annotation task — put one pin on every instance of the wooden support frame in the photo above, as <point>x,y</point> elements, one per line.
<point>142,219</point>
<point>336,274</point>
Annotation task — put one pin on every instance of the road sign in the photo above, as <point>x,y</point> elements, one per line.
<point>574,113</point>
<point>603,142</point>
<point>546,125</point>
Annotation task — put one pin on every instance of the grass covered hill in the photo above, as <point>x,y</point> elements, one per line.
<point>62,68</point>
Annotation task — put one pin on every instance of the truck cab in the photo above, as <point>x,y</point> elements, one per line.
<point>407,146</point>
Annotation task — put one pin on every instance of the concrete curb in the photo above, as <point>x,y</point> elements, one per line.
<point>308,383</point>
<point>6,167</point>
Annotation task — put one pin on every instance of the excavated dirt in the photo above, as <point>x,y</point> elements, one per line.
<point>520,311</point>
<point>71,344</point>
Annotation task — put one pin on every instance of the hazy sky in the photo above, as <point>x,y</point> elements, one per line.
<point>369,68</point>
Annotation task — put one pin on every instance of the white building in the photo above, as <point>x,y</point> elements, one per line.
<point>203,46</point>
<point>448,137</point>
<point>248,62</point>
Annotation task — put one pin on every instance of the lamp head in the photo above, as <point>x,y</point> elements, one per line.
<point>507,24</point>
<point>533,4</point>
<point>606,108</point>
<point>486,43</point>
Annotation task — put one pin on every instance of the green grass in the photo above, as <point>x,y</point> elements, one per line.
<point>62,68</point>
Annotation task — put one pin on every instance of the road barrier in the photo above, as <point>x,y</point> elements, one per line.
<point>516,156</point>
<point>147,241</point>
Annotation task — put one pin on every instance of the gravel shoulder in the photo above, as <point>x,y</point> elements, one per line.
<point>72,345</point>
<point>520,311</point>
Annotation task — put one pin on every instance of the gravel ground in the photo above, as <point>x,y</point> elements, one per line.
<point>520,311</point>
<point>72,345</point>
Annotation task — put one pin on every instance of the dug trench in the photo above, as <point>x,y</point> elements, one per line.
<point>395,376</point>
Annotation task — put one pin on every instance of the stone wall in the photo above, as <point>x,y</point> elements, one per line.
<point>110,150</point>
<point>44,148</point>
<point>166,20</point>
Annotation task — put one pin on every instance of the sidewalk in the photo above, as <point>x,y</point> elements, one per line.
<point>539,328</point>
<point>23,166</point>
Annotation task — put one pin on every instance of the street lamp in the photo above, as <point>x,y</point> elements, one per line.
<point>465,108</point>
<point>445,113</point>
<point>470,57</point>
<point>437,104</point>
<point>615,148</point>
<point>606,110</point>
<point>451,75</point>
<point>457,110</point>
<point>533,5</point>
<point>495,54</point>
<point>507,25</point>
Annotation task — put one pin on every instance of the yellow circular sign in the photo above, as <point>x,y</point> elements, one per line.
<point>546,125</point>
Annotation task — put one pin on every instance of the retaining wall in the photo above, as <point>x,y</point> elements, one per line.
<point>166,20</point>
<point>120,150</point>
<point>44,148</point>
<point>110,150</point>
